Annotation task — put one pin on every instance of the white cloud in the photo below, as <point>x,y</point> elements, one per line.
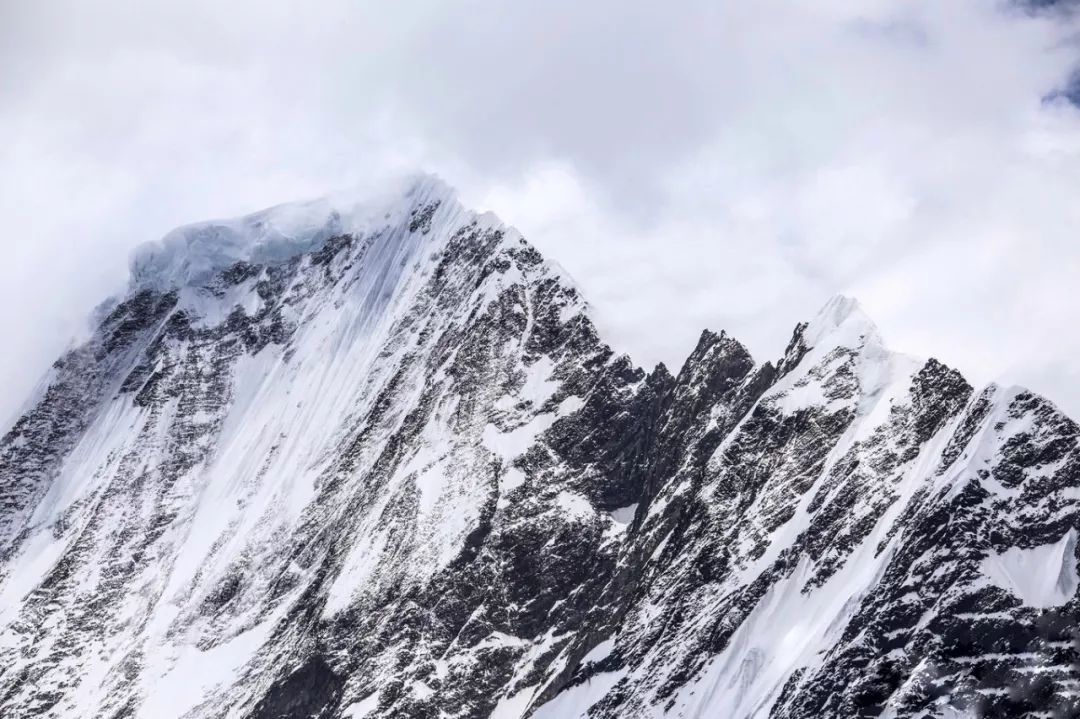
<point>691,164</point>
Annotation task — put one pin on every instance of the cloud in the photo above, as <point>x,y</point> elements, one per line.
<point>695,164</point>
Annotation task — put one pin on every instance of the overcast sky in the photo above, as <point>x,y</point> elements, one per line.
<point>691,164</point>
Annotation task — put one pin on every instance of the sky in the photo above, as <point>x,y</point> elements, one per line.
<point>691,164</point>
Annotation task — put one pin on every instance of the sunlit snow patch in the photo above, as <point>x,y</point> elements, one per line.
<point>1041,577</point>
<point>362,708</point>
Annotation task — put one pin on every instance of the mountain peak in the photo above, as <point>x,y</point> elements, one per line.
<point>409,447</point>
<point>841,322</point>
<point>192,253</point>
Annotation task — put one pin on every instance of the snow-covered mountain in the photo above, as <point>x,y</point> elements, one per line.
<point>373,460</point>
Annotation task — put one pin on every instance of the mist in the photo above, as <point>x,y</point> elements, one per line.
<point>690,165</point>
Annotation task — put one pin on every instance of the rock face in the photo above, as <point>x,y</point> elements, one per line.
<point>375,461</point>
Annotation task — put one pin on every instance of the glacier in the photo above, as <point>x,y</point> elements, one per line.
<point>371,457</point>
